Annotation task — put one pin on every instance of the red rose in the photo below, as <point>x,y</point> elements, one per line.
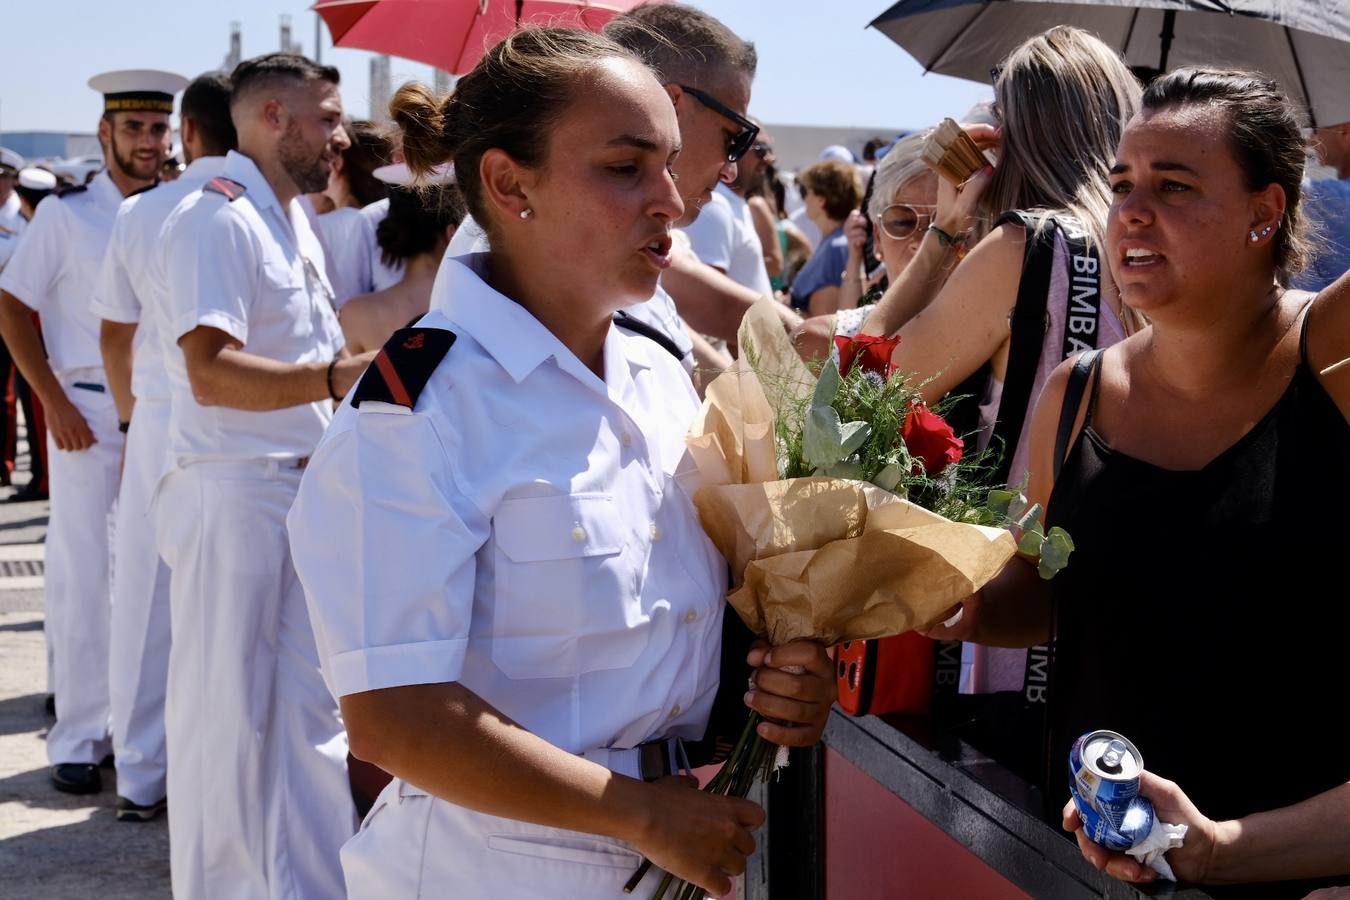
<point>930,439</point>
<point>870,351</point>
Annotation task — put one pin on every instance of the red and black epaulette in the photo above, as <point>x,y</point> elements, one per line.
<point>67,190</point>
<point>230,189</point>
<point>404,366</point>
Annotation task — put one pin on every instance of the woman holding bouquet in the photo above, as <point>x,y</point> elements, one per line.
<point>513,597</point>
<point>1194,464</point>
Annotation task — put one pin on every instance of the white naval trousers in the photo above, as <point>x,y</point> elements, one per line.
<point>82,485</point>
<point>412,845</point>
<point>259,802</point>
<point>138,645</point>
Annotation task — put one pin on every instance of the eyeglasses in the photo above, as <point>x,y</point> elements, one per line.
<point>739,145</point>
<point>901,220</point>
<point>763,151</point>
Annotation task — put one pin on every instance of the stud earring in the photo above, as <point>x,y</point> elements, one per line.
<point>527,212</point>
<point>1253,235</point>
<point>1267,230</point>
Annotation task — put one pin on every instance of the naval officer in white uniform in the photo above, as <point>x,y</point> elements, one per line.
<point>54,272</point>
<point>132,301</point>
<point>509,584</point>
<point>259,802</point>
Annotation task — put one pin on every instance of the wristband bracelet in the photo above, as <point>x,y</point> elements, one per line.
<point>331,392</point>
<point>956,242</point>
<point>123,427</point>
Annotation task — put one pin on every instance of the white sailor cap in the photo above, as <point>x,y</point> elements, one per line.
<point>128,89</point>
<point>399,175</point>
<point>35,179</point>
<point>10,162</point>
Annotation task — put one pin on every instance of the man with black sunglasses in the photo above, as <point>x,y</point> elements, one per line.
<point>724,235</point>
<point>707,70</point>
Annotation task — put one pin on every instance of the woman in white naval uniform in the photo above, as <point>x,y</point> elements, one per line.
<point>508,582</point>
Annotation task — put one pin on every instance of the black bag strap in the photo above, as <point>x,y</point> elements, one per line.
<point>1079,376</point>
<point>1028,326</point>
<point>637,326</point>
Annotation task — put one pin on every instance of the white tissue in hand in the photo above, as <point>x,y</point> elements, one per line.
<point>1161,838</point>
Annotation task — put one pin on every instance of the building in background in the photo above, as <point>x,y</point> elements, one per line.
<point>443,81</point>
<point>36,146</point>
<point>236,49</point>
<point>285,44</point>
<point>381,89</point>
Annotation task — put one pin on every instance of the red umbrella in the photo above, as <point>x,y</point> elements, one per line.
<point>452,34</point>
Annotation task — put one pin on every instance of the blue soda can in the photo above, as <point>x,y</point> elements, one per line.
<point>1104,769</point>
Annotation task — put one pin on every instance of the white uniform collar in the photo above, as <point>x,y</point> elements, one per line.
<point>205,167</point>
<point>103,187</point>
<point>514,338</point>
<point>244,170</point>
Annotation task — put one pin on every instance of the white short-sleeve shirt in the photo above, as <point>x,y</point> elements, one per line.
<point>659,312</point>
<point>255,271</point>
<point>526,530</point>
<point>381,275</point>
<point>724,236</point>
<point>349,241</point>
<point>55,270</point>
<point>131,288</point>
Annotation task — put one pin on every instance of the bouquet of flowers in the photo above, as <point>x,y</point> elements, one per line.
<point>847,509</point>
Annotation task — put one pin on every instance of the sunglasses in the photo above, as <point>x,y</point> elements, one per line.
<point>741,143</point>
<point>901,220</point>
<point>763,151</point>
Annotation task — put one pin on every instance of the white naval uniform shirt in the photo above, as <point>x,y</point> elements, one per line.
<point>131,288</point>
<point>381,276</point>
<point>12,224</point>
<point>349,240</point>
<point>55,269</point>
<point>659,312</point>
<point>255,271</point>
<point>526,531</point>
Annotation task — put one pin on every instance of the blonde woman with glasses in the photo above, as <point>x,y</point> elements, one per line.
<point>1033,290</point>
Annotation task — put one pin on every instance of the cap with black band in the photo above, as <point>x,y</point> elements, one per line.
<point>128,90</point>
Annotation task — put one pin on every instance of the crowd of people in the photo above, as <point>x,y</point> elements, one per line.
<point>372,553</point>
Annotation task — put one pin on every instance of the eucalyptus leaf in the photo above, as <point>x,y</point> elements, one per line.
<point>1032,540</point>
<point>1045,571</point>
<point>1055,550</point>
<point>1017,506</point>
<point>889,477</point>
<point>827,386</point>
<point>850,469</point>
<point>826,440</point>
<point>1001,501</point>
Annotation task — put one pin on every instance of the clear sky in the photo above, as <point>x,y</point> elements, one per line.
<point>819,63</point>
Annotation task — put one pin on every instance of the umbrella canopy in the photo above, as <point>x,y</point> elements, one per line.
<point>452,34</point>
<point>1302,44</point>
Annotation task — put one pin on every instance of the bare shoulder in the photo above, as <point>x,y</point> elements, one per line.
<point>1329,340</point>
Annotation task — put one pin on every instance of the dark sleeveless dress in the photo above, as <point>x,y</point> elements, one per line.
<point>1205,615</point>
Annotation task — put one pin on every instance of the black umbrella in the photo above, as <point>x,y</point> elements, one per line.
<point>1303,44</point>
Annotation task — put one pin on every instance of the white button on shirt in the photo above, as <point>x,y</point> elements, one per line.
<point>497,536</point>
<point>255,271</point>
<point>131,288</point>
<point>55,269</point>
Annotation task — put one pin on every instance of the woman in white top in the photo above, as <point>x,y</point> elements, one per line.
<point>506,575</point>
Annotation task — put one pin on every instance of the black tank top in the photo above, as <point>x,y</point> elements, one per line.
<point>1157,630</point>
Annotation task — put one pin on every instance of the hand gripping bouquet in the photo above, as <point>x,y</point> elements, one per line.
<point>842,505</point>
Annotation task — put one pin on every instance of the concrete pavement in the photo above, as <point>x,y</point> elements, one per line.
<point>54,846</point>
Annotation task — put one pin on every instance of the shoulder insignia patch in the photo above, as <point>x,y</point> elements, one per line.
<point>71,189</point>
<point>230,189</point>
<point>402,369</point>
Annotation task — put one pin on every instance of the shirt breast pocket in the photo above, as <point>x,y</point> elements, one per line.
<point>566,599</point>
<point>287,296</point>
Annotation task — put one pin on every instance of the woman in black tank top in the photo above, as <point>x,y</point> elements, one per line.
<point>1205,611</point>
